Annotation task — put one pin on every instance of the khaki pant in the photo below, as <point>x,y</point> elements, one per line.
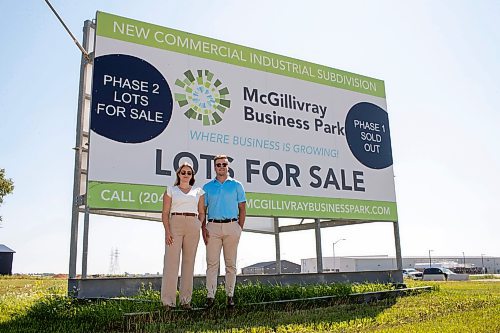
<point>186,233</point>
<point>224,236</point>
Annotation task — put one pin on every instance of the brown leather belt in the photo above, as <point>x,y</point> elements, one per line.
<point>185,214</point>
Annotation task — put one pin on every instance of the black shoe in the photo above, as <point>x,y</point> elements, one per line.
<point>230,302</point>
<point>210,303</point>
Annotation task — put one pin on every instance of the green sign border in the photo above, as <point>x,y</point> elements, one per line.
<point>148,198</point>
<point>129,30</point>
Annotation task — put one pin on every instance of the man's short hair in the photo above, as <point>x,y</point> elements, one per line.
<point>220,157</point>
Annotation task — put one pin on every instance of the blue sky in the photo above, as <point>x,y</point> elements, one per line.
<point>439,61</point>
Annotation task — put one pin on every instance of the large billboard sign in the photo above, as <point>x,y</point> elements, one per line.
<point>305,140</point>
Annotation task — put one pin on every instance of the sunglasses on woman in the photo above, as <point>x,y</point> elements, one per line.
<point>189,173</point>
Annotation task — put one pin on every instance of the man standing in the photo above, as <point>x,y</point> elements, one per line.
<point>226,204</point>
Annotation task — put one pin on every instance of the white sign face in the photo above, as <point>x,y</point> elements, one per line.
<point>305,140</point>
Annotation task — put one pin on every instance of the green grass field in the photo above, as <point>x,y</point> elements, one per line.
<point>40,305</point>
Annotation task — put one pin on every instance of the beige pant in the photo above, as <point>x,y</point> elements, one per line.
<point>224,236</point>
<point>186,234</point>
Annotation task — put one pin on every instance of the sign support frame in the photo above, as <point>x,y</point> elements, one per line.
<point>79,148</point>
<point>79,202</point>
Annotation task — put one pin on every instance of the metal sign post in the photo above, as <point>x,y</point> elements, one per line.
<point>80,148</point>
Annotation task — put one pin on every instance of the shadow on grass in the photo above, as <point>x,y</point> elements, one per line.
<point>58,313</point>
<point>260,317</point>
<point>62,314</point>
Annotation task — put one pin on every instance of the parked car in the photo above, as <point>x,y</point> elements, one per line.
<point>412,273</point>
<point>438,271</point>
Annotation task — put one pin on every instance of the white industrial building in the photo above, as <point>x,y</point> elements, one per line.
<point>471,264</point>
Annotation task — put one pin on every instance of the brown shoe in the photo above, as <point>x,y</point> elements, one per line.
<point>186,306</point>
<point>168,307</point>
<point>210,303</point>
<point>230,302</point>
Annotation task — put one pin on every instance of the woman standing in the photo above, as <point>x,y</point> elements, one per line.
<point>182,215</point>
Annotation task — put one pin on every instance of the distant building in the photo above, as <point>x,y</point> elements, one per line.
<point>269,267</point>
<point>6,256</point>
<point>459,264</point>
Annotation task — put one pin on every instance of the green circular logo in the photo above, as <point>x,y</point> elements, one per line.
<point>203,97</point>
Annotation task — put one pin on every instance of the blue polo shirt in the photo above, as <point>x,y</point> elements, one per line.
<point>222,199</point>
